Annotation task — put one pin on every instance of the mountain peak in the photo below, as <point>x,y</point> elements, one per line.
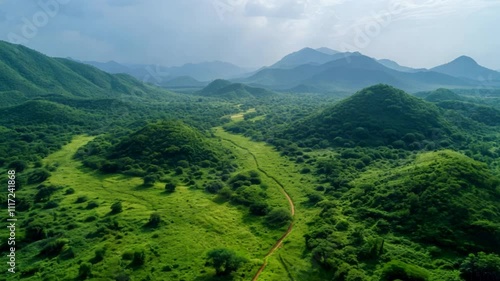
<point>465,59</point>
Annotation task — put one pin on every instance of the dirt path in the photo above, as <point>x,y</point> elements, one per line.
<point>290,202</point>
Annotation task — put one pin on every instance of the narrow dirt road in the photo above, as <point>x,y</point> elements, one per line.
<point>290,202</point>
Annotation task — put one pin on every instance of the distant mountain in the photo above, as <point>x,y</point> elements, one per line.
<point>309,56</point>
<point>183,82</point>
<point>157,74</point>
<point>327,51</point>
<point>110,67</point>
<point>467,67</point>
<point>225,89</point>
<point>26,74</point>
<point>350,73</point>
<point>394,65</point>
<point>376,116</point>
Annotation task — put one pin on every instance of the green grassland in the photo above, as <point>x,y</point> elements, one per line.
<point>192,223</point>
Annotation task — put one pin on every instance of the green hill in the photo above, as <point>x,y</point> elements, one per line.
<point>443,198</point>
<point>225,89</point>
<point>37,112</point>
<point>376,116</point>
<point>439,95</point>
<point>160,146</point>
<point>25,73</point>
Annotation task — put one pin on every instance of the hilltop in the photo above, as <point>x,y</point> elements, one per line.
<point>225,89</point>
<point>444,198</point>
<point>375,116</point>
<point>156,146</point>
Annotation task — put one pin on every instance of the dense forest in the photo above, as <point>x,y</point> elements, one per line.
<point>122,180</point>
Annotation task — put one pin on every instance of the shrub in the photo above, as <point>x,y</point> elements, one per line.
<point>116,207</point>
<point>81,199</point>
<point>149,180</point>
<point>214,187</point>
<point>53,248</point>
<point>480,267</point>
<point>85,270</point>
<point>224,261</point>
<point>51,205</point>
<point>259,208</point>
<point>18,165</point>
<point>69,191</point>
<point>38,176</point>
<point>92,205</point>
<point>170,186</point>
<point>34,232</point>
<point>139,258</point>
<point>278,217</point>
<point>154,219</point>
<point>44,193</point>
<point>399,270</point>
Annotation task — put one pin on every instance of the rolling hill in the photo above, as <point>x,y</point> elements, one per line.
<point>394,65</point>
<point>225,89</point>
<point>25,74</point>
<point>444,198</point>
<point>376,116</point>
<point>467,67</point>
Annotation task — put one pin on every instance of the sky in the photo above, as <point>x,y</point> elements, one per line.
<point>254,33</point>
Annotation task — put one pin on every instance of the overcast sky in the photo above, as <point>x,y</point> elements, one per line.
<point>417,33</point>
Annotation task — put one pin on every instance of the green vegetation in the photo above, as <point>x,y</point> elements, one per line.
<point>117,180</point>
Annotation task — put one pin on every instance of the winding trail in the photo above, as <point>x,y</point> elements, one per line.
<point>288,198</point>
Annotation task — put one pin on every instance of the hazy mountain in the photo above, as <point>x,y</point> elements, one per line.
<point>327,51</point>
<point>310,56</point>
<point>394,65</point>
<point>350,73</point>
<point>111,66</point>
<point>467,67</point>
<point>158,74</point>
<point>183,82</point>
<point>25,74</point>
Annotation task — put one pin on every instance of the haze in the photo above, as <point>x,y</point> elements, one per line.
<point>253,33</point>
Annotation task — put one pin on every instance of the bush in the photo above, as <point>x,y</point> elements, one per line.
<point>278,217</point>
<point>35,232</point>
<point>53,248</point>
<point>92,205</point>
<point>480,267</point>
<point>170,186</point>
<point>85,270</point>
<point>399,270</point>
<point>81,199</point>
<point>116,207</point>
<point>149,180</point>
<point>154,220</point>
<point>259,208</point>
<point>18,165</point>
<point>214,187</point>
<point>38,176</point>
<point>224,261</point>
<point>44,193</point>
<point>69,191</point>
<point>139,258</point>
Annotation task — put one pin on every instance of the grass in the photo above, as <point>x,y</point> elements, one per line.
<point>192,223</point>
<point>297,185</point>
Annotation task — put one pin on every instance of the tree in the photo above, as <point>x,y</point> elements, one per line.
<point>170,186</point>
<point>18,165</point>
<point>149,180</point>
<point>278,217</point>
<point>116,207</point>
<point>224,261</point>
<point>480,267</point>
<point>154,219</point>
<point>85,270</point>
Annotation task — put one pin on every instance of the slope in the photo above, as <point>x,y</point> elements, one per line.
<point>468,68</point>
<point>26,73</point>
<point>376,116</point>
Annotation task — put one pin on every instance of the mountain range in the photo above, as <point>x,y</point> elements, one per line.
<point>162,75</point>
